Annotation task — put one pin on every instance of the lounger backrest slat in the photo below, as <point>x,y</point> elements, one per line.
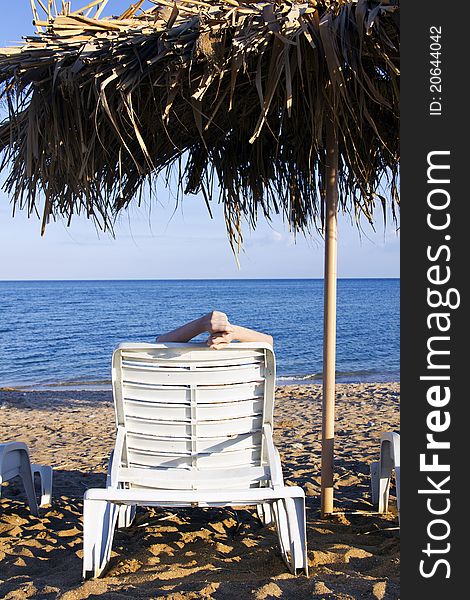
<point>169,355</point>
<point>188,409</point>
<point>180,394</point>
<point>175,429</point>
<point>163,375</point>
<point>203,445</point>
<point>161,411</point>
<point>205,460</point>
<point>168,479</point>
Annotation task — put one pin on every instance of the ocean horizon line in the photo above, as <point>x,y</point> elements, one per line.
<point>199,279</point>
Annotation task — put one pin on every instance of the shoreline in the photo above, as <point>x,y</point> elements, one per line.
<point>201,553</point>
<point>106,385</point>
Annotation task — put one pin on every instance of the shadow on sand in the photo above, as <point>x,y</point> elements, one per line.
<point>193,553</point>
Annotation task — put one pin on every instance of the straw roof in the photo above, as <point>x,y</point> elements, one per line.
<point>230,97</point>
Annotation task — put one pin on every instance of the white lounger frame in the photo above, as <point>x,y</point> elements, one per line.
<point>381,472</point>
<point>194,428</point>
<point>14,460</point>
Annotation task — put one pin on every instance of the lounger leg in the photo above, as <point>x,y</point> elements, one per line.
<point>265,513</point>
<point>27,478</point>
<point>45,474</point>
<point>99,522</point>
<point>282,527</point>
<point>384,490</point>
<point>126,515</point>
<point>289,515</point>
<point>295,508</point>
<point>397,485</point>
<point>374,482</point>
<point>385,474</point>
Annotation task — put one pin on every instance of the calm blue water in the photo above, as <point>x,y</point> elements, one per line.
<point>64,331</point>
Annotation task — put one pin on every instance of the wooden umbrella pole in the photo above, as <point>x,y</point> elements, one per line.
<point>329,327</point>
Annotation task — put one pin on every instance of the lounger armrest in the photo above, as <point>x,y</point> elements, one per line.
<point>112,477</point>
<point>274,462</point>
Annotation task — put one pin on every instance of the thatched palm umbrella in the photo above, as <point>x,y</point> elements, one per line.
<point>272,106</point>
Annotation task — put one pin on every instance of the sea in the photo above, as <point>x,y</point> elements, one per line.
<point>61,334</point>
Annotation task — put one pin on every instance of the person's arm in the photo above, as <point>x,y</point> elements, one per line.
<point>241,334</point>
<point>221,332</point>
<point>215,322</point>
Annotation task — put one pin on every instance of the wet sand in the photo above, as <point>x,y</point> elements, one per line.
<point>200,553</point>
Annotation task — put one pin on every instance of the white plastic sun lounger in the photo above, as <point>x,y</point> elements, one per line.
<point>14,460</point>
<point>194,429</point>
<point>381,472</point>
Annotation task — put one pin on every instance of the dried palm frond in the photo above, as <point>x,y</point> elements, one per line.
<point>234,95</point>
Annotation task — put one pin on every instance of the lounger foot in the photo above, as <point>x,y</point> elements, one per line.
<point>374,482</point>
<point>265,514</point>
<point>289,516</point>
<point>99,522</point>
<point>381,472</point>
<point>45,475</point>
<point>24,471</point>
<point>126,516</point>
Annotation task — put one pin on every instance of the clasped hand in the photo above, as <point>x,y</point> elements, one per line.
<point>220,330</point>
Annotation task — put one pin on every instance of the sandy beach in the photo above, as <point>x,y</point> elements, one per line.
<point>190,554</point>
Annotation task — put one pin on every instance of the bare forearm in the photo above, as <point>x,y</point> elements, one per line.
<point>243,334</point>
<point>184,333</point>
<point>221,331</point>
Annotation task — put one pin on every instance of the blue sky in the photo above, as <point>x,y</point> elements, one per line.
<point>157,242</point>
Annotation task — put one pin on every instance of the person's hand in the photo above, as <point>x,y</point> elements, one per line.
<point>217,322</point>
<point>217,341</point>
